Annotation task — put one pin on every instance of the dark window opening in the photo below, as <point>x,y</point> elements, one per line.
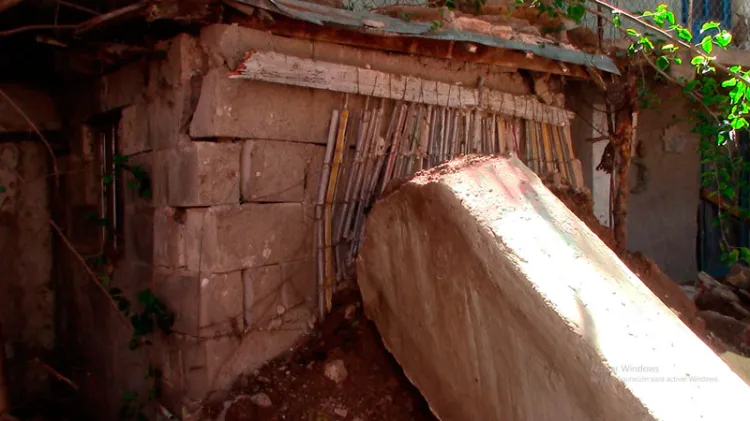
<point>105,131</point>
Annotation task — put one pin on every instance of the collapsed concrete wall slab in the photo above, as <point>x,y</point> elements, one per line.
<point>500,304</point>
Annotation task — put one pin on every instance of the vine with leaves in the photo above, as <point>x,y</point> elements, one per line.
<point>718,93</point>
<point>145,315</point>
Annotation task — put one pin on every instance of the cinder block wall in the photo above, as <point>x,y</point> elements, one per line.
<point>227,238</point>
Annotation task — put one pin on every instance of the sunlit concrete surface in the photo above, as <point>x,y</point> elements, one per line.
<point>501,305</point>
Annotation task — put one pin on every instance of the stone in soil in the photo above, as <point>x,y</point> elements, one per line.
<point>336,371</point>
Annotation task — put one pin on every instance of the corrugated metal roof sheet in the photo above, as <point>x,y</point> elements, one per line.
<point>386,25</point>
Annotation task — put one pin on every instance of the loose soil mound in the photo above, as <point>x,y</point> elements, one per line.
<point>375,388</point>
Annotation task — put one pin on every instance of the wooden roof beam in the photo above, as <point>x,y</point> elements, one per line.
<point>449,50</point>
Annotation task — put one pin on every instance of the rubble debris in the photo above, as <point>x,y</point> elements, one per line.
<point>341,412</point>
<point>241,409</point>
<point>739,276</point>
<point>349,312</point>
<point>731,331</point>
<point>336,371</point>
<point>262,400</point>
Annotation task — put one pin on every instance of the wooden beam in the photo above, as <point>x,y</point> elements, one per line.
<point>449,50</point>
<point>289,70</point>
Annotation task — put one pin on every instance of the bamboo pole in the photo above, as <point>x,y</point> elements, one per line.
<point>414,144</point>
<point>467,129</point>
<point>454,134</point>
<point>476,132</point>
<point>424,138</point>
<point>531,143</point>
<point>548,161</point>
<point>441,138</point>
<point>403,111</point>
<point>319,223</point>
<point>502,133</point>
<point>333,180</point>
<point>372,139</point>
<point>371,177</point>
<point>406,136</point>
<point>355,176</point>
<point>493,135</point>
<point>561,164</point>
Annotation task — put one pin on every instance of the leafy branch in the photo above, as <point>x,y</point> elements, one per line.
<point>719,93</point>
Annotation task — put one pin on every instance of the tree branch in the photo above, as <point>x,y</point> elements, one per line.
<point>666,34</point>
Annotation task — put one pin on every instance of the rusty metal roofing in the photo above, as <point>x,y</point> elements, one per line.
<point>389,26</point>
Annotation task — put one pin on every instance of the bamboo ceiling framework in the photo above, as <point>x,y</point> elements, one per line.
<point>289,70</point>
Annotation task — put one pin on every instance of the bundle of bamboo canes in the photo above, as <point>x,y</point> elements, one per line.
<point>367,149</point>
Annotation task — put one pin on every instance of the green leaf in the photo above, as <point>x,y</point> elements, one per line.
<point>146,297</point>
<point>707,44</point>
<point>105,280</point>
<point>670,17</point>
<point>123,304</point>
<point>662,63</point>
<point>121,159</point>
<point>745,254</point>
<point>740,123</point>
<point>670,48</point>
<point>737,93</point>
<point>644,41</point>
<point>617,20</point>
<point>3,189</point>
<point>576,12</point>
<point>735,69</point>
<point>108,178</point>
<point>723,39</point>
<point>678,60</point>
<point>142,324</point>
<point>684,34</point>
<point>632,32</point>
<point>709,26</point>
<point>698,60</point>
<point>115,292</point>
<point>729,82</point>
<point>733,256</point>
<point>129,396</point>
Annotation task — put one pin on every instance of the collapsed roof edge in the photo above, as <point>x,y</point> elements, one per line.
<point>322,15</point>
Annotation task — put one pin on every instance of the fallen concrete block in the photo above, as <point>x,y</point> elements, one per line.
<point>500,303</point>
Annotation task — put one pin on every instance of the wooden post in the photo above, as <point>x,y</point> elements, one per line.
<point>622,96</point>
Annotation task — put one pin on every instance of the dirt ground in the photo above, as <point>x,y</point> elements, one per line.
<point>375,388</point>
